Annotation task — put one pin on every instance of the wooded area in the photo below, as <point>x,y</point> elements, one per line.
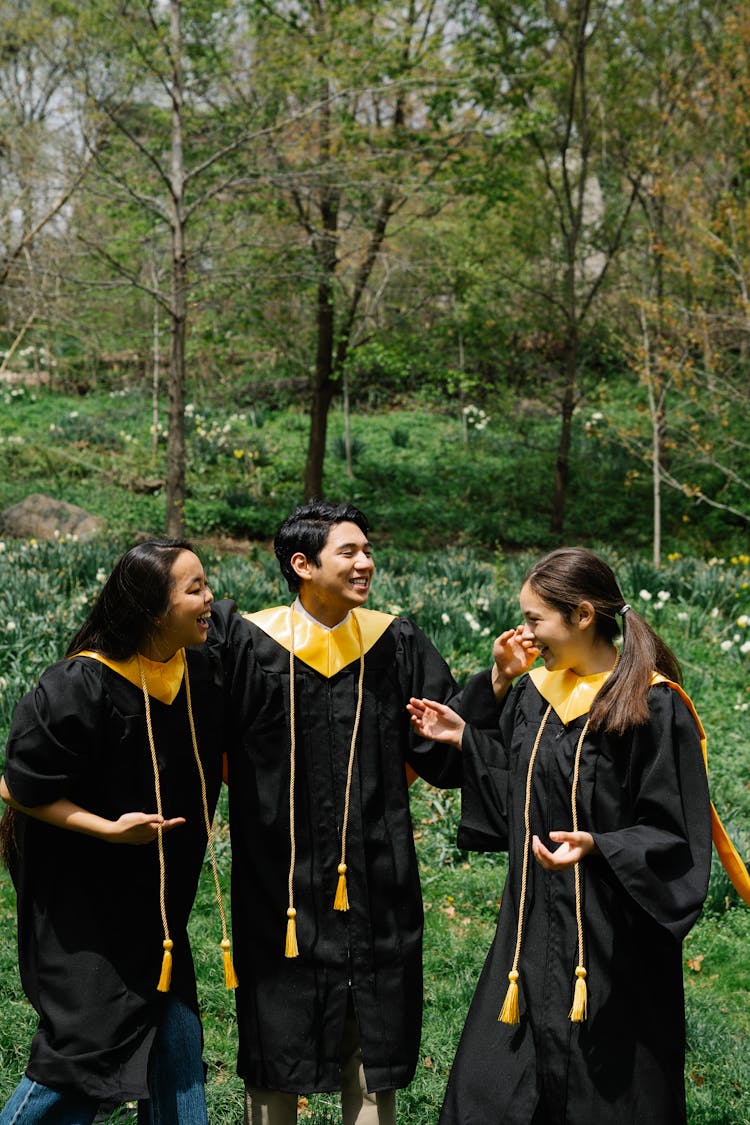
<point>505,205</point>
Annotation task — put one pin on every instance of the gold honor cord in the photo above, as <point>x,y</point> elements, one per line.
<point>166,965</point>
<point>230,977</point>
<point>341,898</point>
<point>580,996</point>
<point>509,1012</point>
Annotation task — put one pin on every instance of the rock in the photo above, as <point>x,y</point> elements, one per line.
<point>43,517</point>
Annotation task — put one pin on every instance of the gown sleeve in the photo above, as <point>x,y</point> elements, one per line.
<point>55,734</point>
<point>484,795</point>
<point>424,674</point>
<point>662,857</point>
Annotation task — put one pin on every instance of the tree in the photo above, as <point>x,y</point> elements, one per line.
<point>361,109</point>
<point>572,99</point>
<point>693,306</point>
<point>43,159</point>
<point>173,70</point>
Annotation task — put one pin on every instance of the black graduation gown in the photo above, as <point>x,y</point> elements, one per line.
<point>89,924</point>
<point>291,1011</point>
<point>644,797</point>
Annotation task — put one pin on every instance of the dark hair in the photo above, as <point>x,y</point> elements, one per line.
<point>572,575</point>
<point>307,529</point>
<point>136,594</point>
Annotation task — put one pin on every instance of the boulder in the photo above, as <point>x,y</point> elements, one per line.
<point>43,517</point>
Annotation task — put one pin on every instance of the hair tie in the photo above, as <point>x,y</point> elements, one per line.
<point>625,609</point>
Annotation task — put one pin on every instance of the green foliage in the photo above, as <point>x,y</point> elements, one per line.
<point>424,476</point>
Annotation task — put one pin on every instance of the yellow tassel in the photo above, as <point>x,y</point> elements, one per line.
<point>509,1010</point>
<point>230,976</point>
<point>166,967</point>
<point>580,999</point>
<point>291,934</point>
<point>341,901</point>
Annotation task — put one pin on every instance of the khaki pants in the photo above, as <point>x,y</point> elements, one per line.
<point>358,1106</point>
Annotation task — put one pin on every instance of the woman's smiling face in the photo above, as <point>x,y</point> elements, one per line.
<point>562,644</point>
<point>186,620</point>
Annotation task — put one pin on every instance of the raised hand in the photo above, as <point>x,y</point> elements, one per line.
<point>435,721</point>
<point>513,653</point>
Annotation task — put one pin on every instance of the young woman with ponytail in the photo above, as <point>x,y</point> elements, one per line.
<point>595,784</point>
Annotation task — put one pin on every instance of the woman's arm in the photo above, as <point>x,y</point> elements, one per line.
<point>130,828</point>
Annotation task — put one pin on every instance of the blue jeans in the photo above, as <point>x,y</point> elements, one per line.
<point>175,1082</point>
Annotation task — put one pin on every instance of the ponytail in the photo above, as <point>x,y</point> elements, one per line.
<point>622,702</point>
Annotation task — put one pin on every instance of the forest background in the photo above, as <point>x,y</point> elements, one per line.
<point>481,267</point>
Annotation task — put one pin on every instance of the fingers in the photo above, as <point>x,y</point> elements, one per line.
<point>143,828</point>
<point>573,846</point>
<point>175,822</point>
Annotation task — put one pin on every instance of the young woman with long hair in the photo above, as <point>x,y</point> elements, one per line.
<point>595,784</point>
<point>112,772</point>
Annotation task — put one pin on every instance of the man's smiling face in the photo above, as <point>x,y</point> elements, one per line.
<point>341,580</point>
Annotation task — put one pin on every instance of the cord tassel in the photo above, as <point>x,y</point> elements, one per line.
<point>509,1010</point>
<point>230,976</point>
<point>166,967</point>
<point>580,997</point>
<point>341,901</point>
<point>291,934</point>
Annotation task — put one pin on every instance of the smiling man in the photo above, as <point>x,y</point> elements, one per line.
<point>325,886</point>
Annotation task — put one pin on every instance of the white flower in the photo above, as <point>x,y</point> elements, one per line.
<point>645,596</point>
<point>101,575</point>
<point>396,610</point>
<point>743,621</point>
<point>745,648</point>
<point>715,612</point>
<point>10,626</point>
<point>683,616</point>
<point>725,646</point>
<point>664,595</point>
<point>444,618</point>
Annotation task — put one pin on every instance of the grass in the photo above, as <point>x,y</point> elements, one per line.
<point>461,597</point>
<point>423,481</point>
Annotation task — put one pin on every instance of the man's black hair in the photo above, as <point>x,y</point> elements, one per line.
<point>307,529</point>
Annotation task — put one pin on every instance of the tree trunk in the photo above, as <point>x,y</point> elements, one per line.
<point>562,461</point>
<point>325,248</point>
<point>323,387</point>
<point>175,515</point>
